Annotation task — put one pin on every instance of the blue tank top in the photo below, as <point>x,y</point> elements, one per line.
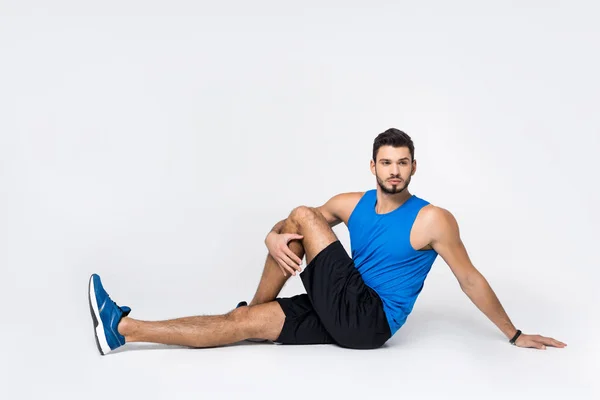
<point>383,255</point>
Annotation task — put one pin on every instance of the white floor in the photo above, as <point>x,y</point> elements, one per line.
<point>156,143</point>
<point>446,350</point>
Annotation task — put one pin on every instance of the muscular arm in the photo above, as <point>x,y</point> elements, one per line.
<point>447,243</point>
<point>332,208</point>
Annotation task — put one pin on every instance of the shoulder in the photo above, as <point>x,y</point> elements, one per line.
<point>438,221</point>
<point>341,205</point>
<point>435,213</point>
<point>349,196</point>
<point>343,201</point>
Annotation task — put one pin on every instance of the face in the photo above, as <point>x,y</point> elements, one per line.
<point>393,169</point>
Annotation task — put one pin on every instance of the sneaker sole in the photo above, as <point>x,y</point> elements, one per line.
<point>257,340</point>
<point>101,342</point>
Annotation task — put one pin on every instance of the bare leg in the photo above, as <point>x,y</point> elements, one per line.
<point>310,223</point>
<point>264,321</point>
<point>273,279</point>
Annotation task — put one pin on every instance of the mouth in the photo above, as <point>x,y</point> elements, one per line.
<point>394,181</point>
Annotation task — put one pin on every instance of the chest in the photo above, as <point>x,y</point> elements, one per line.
<point>403,227</point>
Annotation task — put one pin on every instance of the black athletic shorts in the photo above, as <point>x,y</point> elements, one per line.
<point>338,306</point>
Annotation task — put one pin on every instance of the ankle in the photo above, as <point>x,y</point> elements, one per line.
<point>125,326</point>
<point>256,302</point>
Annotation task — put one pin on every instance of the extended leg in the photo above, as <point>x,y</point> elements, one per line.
<point>262,321</point>
<point>317,233</point>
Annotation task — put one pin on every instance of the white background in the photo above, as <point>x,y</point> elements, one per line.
<point>157,145</point>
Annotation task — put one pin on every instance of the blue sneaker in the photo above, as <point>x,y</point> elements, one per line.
<point>106,315</point>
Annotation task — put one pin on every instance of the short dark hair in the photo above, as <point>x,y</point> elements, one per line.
<point>393,137</point>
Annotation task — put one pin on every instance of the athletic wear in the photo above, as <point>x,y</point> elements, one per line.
<point>384,257</point>
<point>338,306</point>
<point>302,324</point>
<point>106,315</point>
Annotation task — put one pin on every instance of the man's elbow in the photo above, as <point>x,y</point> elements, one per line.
<point>471,281</point>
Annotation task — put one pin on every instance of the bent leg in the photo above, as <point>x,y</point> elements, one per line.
<point>271,282</point>
<point>263,321</point>
<point>317,233</point>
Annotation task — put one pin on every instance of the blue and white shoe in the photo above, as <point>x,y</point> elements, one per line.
<point>106,315</point>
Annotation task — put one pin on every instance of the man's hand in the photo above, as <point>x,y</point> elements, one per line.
<point>288,261</point>
<point>537,341</point>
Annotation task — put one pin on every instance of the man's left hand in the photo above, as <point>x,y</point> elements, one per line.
<point>537,341</point>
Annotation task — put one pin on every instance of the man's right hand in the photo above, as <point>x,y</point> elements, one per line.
<point>277,243</point>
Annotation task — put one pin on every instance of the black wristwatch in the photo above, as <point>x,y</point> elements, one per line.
<point>514,339</point>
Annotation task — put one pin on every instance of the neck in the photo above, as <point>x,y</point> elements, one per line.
<point>389,202</point>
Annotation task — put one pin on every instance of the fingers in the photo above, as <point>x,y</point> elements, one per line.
<point>285,267</point>
<point>293,256</point>
<point>540,342</point>
<point>288,261</point>
<point>548,341</point>
<point>532,342</point>
<point>286,264</point>
<point>552,342</point>
<point>291,236</point>
<point>285,273</point>
<point>290,258</point>
<point>291,264</point>
<point>282,269</point>
<point>538,345</point>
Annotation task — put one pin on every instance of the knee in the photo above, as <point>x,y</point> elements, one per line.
<point>241,318</point>
<point>238,315</point>
<point>302,213</point>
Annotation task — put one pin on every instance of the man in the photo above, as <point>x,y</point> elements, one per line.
<point>357,302</point>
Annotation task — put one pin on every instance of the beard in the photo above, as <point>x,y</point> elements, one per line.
<point>388,188</point>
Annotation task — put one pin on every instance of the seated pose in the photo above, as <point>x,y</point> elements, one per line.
<point>356,302</point>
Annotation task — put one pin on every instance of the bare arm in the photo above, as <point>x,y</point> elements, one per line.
<point>329,210</point>
<point>447,243</point>
<point>482,295</point>
<point>339,207</point>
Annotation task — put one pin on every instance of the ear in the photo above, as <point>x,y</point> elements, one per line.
<point>414,167</point>
<point>373,167</point>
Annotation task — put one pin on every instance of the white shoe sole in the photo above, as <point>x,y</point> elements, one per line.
<point>257,340</point>
<point>101,342</point>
